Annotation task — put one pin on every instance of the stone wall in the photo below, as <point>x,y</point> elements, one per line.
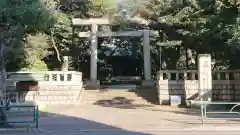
<point>55,87</point>
<point>51,96</point>
<point>225,85</point>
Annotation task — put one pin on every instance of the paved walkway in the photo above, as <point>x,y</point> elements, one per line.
<point>139,121</point>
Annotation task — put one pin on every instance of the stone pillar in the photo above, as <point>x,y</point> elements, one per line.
<point>65,64</point>
<point>147,59</point>
<point>205,76</point>
<point>93,65</point>
<point>94,46</point>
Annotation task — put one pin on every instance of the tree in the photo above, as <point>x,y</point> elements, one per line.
<point>18,20</point>
<point>202,26</point>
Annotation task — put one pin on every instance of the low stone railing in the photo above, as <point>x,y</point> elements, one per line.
<point>55,87</point>
<point>193,75</point>
<point>185,84</point>
<point>56,77</point>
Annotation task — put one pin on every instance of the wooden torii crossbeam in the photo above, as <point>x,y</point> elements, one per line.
<point>117,34</point>
<point>104,21</point>
<point>99,21</point>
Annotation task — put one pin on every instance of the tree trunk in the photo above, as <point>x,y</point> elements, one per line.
<point>3,73</point>
<point>3,78</point>
<point>55,46</point>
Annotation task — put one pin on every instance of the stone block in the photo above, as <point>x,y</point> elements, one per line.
<point>69,87</point>
<point>46,98</point>
<point>77,92</point>
<point>61,87</point>
<point>55,88</point>
<point>68,102</point>
<point>57,98</point>
<point>54,102</point>
<point>72,91</point>
<point>76,87</point>
<point>61,102</point>
<point>53,97</point>
<point>64,102</point>
<point>50,98</point>
<point>60,98</point>
<point>164,92</point>
<point>165,97</point>
<point>49,102</point>
<point>52,92</point>
<point>75,97</point>
<point>40,98</point>
<point>93,84</point>
<point>164,100</point>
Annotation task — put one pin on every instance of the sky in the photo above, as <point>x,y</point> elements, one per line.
<point>125,3</point>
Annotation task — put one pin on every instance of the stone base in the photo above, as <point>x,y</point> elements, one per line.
<point>147,83</point>
<point>92,84</point>
<point>164,102</point>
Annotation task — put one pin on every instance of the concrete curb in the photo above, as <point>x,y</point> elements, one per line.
<point>194,129</point>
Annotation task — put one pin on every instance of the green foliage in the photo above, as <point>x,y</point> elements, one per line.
<point>37,65</point>
<point>36,48</point>
<point>33,29</point>
<point>18,20</point>
<point>106,4</point>
<point>203,26</point>
<point>63,32</point>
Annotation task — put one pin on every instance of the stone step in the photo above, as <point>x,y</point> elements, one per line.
<point>118,95</point>
<point>125,102</point>
<point>113,98</point>
<point>130,94</point>
<point>90,97</point>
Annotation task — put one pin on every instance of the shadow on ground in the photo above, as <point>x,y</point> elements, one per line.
<point>50,123</point>
<point>125,102</point>
<point>149,94</point>
<point>180,114</point>
<point>121,103</point>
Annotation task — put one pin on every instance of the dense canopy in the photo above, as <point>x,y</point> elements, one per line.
<point>36,34</point>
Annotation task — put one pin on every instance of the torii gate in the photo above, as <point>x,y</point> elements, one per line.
<point>94,34</point>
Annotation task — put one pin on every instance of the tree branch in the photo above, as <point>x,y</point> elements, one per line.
<point>54,45</point>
